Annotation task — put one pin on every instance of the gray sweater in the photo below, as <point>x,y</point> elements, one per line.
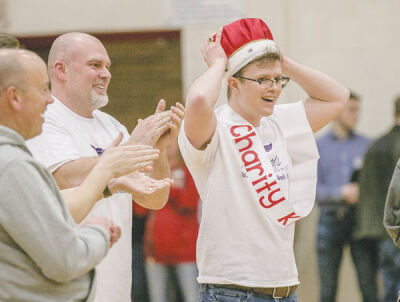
<point>44,256</point>
<point>391,218</point>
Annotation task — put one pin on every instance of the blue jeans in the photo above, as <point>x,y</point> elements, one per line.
<point>389,257</point>
<point>334,232</point>
<point>210,293</point>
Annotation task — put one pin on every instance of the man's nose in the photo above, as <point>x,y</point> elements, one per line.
<point>105,73</point>
<point>276,85</point>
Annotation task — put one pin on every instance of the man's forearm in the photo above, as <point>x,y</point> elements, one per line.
<point>161,166</point>
<point>161,170</point>
<point>80,200</point>
<point>327,89</point>
<point>73,173</point>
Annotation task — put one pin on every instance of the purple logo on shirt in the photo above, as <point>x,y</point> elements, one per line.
<point>99,151</point>
<point>268,147</point>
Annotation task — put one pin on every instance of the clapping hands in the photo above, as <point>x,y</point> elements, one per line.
<point>160,129</point>
<point>124,159</point>
<point>142,187</point>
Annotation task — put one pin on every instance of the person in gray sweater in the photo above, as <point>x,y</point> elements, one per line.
<point>44,255</point>
<point>391,220</point>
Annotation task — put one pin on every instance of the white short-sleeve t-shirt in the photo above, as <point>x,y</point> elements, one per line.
<point>236,243</point>
<point>67,136</point>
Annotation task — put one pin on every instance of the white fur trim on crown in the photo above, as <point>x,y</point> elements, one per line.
<point>248,52</point>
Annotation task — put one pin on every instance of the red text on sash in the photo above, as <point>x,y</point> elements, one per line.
<point>268,191</point>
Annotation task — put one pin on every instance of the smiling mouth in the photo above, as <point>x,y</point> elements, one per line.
<point>101,87</point>
<point>267,100</point>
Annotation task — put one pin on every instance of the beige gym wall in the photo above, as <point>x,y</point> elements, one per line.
<point>355,42</point>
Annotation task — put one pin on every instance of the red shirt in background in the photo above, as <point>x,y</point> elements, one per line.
<point>171,233</point>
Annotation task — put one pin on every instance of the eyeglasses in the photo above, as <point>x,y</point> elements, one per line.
<point>268,83</point>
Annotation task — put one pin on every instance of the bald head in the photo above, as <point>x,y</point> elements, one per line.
<point>79,72</point>
<point>24,91</point>
<point>66,46</point>
<point>13,65</point>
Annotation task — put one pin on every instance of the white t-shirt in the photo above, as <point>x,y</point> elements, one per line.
<point>68,136</point>
<point>237,243</point>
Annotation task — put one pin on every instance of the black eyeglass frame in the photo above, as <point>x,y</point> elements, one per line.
<point>261,80</point>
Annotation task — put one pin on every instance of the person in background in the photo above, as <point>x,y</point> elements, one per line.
<point>391,219</point>
<point>341,152</point>
<point>376,173</point>
<point>8,41</point>
<point>170,236</point>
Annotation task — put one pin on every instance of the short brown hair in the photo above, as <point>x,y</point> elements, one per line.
<point>7,41</point>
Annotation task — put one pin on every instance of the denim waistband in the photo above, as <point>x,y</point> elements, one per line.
<point>274,292</point>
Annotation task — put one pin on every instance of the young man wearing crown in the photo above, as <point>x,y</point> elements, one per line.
<point>254,163</point>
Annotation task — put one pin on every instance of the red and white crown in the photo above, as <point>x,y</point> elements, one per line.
<point>244,40</point>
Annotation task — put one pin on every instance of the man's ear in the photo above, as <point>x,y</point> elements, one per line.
<point>59,70</point>
<point>14,98</point>
<point>233,84</point>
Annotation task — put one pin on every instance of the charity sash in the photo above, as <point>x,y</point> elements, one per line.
<point>281,206</point>
<point>261,176</point>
